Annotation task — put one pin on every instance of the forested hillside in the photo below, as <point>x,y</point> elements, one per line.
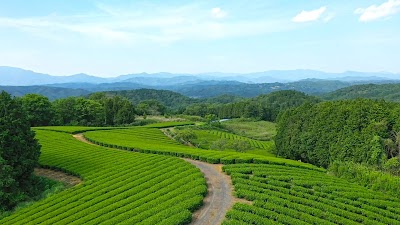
<point>52,93</point>
<point>265,107</point>
<point>389,92</point>
<point>309,86</point>
<point>361,131</point>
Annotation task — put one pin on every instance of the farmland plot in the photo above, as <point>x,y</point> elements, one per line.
<point>118,187</point>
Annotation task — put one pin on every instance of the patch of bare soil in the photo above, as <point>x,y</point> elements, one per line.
<point>67,179</point>
<point>80,137</point>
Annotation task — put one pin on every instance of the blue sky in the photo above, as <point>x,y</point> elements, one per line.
<point>109,38</point>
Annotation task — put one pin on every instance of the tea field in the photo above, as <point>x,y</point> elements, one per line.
<point>118,187</point>
<point>280,192</point>
<point>138,178</point>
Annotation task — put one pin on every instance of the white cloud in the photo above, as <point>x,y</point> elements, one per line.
<point>124,26</point>
<point>329,17</point>
<point>308,16</point>
<point>375,12</point>
<point>218,13</point>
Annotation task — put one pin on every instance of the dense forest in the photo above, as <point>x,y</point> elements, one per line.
<point>389,92</point>
<point>263,107</point>
<point>360,131</point>
<point>98,110</point>
<point>121,107</point>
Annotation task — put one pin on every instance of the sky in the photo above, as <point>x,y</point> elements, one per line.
<point>110,38</point>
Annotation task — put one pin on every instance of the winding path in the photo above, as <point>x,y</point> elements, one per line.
<point>219,198</point>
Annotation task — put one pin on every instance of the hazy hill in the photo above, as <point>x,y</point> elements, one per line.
<point>20,77</point>
<point>211,89</point>
<point>51,92</point>
<point>389,92</point>
<point>168,98</point>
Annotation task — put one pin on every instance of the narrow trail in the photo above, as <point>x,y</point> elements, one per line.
<point>81,138</point>
<point>219,198</point>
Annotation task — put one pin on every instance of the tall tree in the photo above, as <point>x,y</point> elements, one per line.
<point>19,152</point>
<point>39,109</point>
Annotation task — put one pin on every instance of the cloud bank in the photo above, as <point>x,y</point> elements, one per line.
<point>375,12</point>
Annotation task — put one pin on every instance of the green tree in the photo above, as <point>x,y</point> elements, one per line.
<point>19,153</point>
<point>239,145</point>
<point>39,109</point>
<point>65,113</point>
<point>151,107</point>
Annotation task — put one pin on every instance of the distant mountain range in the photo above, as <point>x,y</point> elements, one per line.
<point>12,76</point>
<point>19,82</point>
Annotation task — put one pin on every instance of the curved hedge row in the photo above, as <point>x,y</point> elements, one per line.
<point>118,187</point>
<point>288,195</point>
<point>151,140</point>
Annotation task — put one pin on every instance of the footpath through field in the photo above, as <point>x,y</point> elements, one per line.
<point>219,198</point>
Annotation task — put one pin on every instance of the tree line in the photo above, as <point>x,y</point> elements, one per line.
<point>264,107</point>
<point>97,110</point>
<point>118,108</point>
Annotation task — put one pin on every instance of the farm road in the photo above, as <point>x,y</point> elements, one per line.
<point>219,198</point>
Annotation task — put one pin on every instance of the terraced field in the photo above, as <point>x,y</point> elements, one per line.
<point>207,137</point>
<point>287,195</point>
<point>152,140</point>
<point>280,194</point>
<point>119,186</point>
<point>133,188</point>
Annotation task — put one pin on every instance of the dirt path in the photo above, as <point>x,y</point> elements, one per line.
<point>81,138</point>
<point>219,198</point>
<point>67,179</point>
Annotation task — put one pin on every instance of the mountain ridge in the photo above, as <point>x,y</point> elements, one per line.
<point>13,76</point>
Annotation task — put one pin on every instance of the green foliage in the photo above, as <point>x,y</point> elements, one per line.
<point>175,102</point>
<point>265,107</point>
<point>116,109</point>
<point>369,176</point>
<point>118,187</point>
<point>169,124</point>
<point>39,109</point>
<point>152,140</point>
<point>388,92</point>
<point>210,89</point>
<point>254,129</point>
<point>220,145</point>
<point>151,107</point>
<point>393,166</point>
<point>288,195</point>
<point>352,130</point>
<point>75,129</point>
<point>185,136</point>
<point>99,110</point>
<point>19,154</point>
<point>78,111</point>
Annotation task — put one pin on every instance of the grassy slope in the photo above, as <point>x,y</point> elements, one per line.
<point>118,186</point>
<point>259,130</point>
<point>206,137</point>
